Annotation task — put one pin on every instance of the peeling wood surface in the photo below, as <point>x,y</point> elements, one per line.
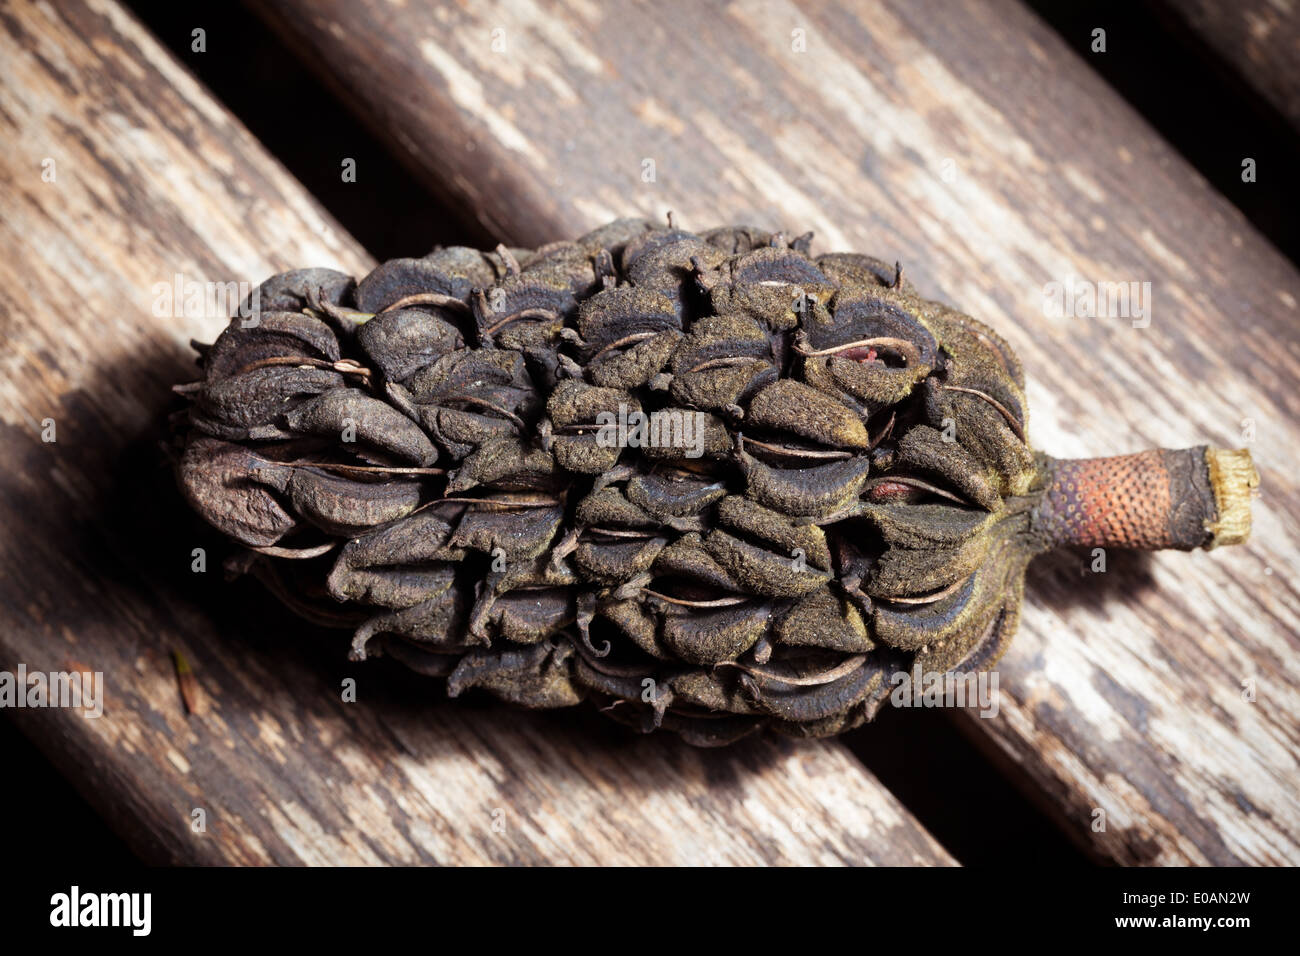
<point>966,141</point>
<point>1259,40</point>
<point>151,179</point>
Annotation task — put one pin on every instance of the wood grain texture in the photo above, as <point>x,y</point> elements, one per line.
<point>152,179</point>
<point>966,141</point>
<point>1259,40</point>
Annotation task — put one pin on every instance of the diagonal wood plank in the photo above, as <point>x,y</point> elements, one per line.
<point>965,140</point>
<point>150,178</point>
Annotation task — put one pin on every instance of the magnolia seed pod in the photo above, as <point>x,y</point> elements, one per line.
<point>707,483</point>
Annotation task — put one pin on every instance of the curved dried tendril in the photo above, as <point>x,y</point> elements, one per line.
<point>275,551</point>
<point>620,343</point>
<point>911,354</point>
<point>500,504</point>
<point>727,362</point>
<point>1011,420</point>
<point>834,673</point>
<point>932,598</point>
<point>436,299</point>
<point>730,601</point>
<point>522,314</point>
<point>792,452</point>
<point>365,469</point>
<point>912,483</point>
<point>485,403</point>
<point>343,366</point>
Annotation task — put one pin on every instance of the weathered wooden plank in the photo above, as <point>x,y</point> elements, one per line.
<point>151,179</point>
<point>965,140</point>
<point>1259,40</point>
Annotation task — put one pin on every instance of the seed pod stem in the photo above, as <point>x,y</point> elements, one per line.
<point>1192,498</point>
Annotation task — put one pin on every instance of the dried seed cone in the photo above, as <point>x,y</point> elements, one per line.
<point>706,482</point>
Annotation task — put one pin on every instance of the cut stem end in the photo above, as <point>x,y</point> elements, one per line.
<point>1234,480</point>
